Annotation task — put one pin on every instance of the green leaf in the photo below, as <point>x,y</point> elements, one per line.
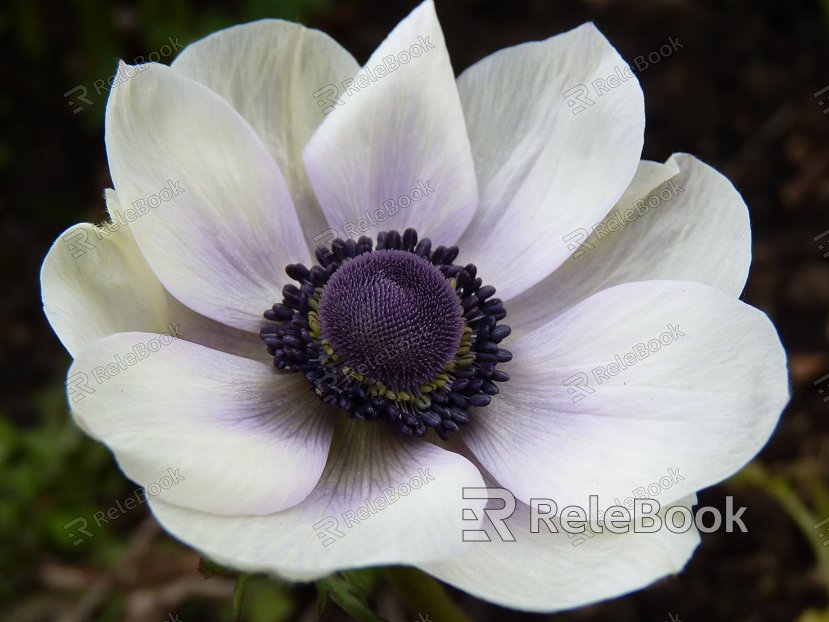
<point>268,599</point>
<point>425,595</point>
<point>349,593</point>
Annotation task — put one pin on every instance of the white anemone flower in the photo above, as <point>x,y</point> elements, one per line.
<point>313,439</point>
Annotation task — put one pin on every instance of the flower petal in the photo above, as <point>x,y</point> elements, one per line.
<point>341,524</point>
<point>210,210</point>
<point>544,171</point>
<point>271,72</point>
<point>597,404</point>
<point>95,283</point>
<point>681,220</point>
<point>399,134</point>
<point>567,571</point>
<point>245,438</point>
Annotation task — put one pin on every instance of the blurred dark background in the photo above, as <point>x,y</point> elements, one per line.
<point>743,93</point>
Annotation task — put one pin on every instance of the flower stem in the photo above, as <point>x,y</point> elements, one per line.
<point>779,489</point>
<point>239,596</point>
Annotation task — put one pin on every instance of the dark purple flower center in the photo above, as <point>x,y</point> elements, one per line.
<point>398,333</point>
<point>393,316</point>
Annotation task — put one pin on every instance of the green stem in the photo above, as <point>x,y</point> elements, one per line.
<point>779,489</point>
<point>425,596</point>
<point>239,596</point>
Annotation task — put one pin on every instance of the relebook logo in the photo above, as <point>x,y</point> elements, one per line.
<point>647,516</point>
<point>328,529</point>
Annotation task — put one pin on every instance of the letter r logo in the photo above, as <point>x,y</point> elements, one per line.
<point>577,387</point>
<point>577,98</point>
<point>497,516</point>
<point>82,98</point>
<point>77,242</point>
<point>327,98</point>
<point>76,540</point>
<point>577,241</point>
<point>78,387</point>
<point>327,530</point>
<point>327,237</point>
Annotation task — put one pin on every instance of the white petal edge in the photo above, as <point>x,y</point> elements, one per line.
<point>400,135</point>
<point>547,572</point>
<point>302,543</point>
<point>681,220</point>
<point>544,171</point>
<point>702,404</point>
<point>244,438</point>
<point>221,240</point>
<point>95,283</point>
<point>278,75</point>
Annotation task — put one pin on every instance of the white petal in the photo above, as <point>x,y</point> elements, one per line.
<point>221,242</point>
<point>95,283</point>
<point>271,71</point>
<point>544,171</point>
<point>339,525</point>
<point>245,438</point>
<point>548,572</point>
<point>680,220</point>
<point>702,403</point>
<point>400,135</point>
